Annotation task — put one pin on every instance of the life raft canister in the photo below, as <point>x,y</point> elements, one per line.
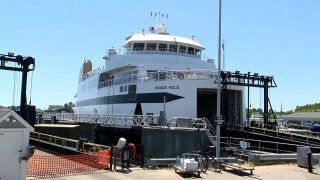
<point>181,75</point>
<point>134,151</point>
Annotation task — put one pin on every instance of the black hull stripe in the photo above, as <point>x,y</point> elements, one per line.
<point>123,99</point>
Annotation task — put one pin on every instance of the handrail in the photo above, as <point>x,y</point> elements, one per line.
<point>277,150</point>
<point>272,130</point>
<point>114,119</point>
<point>191,74</point>
<point>210,131</point>
<point>63,142</point>
<point>163,51</point>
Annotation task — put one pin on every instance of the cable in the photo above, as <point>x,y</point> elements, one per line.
<point>18,84</point>
<point>14,86</point>
<point>260,98</point>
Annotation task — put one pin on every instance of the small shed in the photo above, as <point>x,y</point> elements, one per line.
<point>14,145</point>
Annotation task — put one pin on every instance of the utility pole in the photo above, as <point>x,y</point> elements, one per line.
<point>219,87</point>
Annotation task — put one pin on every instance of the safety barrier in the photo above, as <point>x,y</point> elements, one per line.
<point>276,133</point>
<point>108,120</point>
<point>57,166</point>
<point>268,146</point>
<point>66,143</point>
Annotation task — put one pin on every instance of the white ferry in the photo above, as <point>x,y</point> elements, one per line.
<point>156,72</point>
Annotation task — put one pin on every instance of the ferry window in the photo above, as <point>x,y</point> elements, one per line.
<point>190,50</point>
<point>162,75</point>
<point>123,89</point>
<point>182,49</point>
<point>151,46</point>
<point>134,75</point>
<point>152,74</point>
<point>173,48</point>
<point>163,47</point>
<point>132,92</point>
<point>138,46</point>
<point>197,52</point>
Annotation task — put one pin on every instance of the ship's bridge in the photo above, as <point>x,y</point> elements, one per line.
<point>162,43</point>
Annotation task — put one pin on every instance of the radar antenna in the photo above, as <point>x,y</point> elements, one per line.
<point>160,28</point>
<point>159,16</point>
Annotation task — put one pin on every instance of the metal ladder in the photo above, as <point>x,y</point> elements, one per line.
<point>211,133</point>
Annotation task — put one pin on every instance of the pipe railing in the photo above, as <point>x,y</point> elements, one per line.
<point>115,119</point>
<point>65,142</point>
<point>192,74</point>
<point>118,119</point>
<point>273,129</point>
<point>269,146</point>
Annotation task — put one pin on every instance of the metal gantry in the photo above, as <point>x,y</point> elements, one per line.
<point>25,64</point>
<point>251,80</point>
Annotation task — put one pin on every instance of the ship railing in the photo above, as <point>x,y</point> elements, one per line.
<point>161,76</point>
<point>165,51</point>
<point>114,119</point>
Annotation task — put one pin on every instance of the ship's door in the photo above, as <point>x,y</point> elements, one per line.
<point>207,103</point>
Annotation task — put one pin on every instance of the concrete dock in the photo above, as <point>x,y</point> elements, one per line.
<point>286,171</point>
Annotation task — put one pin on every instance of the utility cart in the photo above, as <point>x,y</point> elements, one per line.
<point>188,163</point>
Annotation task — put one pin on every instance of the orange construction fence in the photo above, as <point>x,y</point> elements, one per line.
<point>57,166</point>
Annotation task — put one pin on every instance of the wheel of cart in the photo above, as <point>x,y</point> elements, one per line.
<point>217,166</point>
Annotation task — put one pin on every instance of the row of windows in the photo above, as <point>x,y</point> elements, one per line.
<point>166,47</point>
<point>118,79</point>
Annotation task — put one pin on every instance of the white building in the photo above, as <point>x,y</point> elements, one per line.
<point>14,142</point>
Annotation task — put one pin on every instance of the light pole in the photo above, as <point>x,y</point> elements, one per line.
<point>219,87</point>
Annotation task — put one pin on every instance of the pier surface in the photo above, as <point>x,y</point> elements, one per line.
<point>286,171</point>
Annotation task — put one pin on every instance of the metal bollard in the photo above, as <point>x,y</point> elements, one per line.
<point>111,156</point>
<point>309,162</point>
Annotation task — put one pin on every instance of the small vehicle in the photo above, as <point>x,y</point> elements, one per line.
<point>188,163</point>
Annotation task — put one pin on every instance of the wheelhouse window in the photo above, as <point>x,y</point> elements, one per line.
<point>173,48</point>
<point>151,46</point>
<point>191,50</point>
<point>197,53</point>
<point>138,46</point>
<point>163,47</point>
<point>183,49</point>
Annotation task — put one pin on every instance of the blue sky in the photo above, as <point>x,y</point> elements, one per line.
<point>271,37</point>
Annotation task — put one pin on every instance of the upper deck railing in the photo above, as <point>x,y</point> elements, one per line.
<point>161,76</point>
<point>165,51</point>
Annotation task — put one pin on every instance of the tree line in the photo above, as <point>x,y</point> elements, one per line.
<point>308,108</point>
